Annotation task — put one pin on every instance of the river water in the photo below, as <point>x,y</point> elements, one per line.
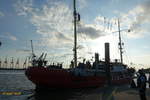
<point>15,86</point>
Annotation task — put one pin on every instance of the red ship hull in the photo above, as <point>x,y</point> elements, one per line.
<point>61,78</point>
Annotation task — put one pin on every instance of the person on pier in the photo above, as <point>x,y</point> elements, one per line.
<point>149,79</point>
<point>141,84</point>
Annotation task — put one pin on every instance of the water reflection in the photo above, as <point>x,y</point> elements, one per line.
<point>53,95</point>
<point>107,93</point>
<point>72,94</point>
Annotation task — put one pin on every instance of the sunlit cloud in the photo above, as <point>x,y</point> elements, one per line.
<point>106,25</point>
<point>54,22</point>
<point>23,7</point>
<point>142,59</point>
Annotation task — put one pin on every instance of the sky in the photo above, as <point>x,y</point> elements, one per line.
<point>49,24</point>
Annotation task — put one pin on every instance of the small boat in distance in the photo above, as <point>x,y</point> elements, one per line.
<point>81,75</point>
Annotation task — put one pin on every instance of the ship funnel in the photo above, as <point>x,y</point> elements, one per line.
<point>96,57</point>
<point>107,63</point>
<point>107,56</point>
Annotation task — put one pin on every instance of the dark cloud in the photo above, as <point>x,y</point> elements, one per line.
<point>142,17</point>
<point>80,47</point>
<point>61,36</point>
<point>90,31</point>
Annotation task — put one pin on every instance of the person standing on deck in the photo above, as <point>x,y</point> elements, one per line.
<point>141,84</point>
<point>149,79</point>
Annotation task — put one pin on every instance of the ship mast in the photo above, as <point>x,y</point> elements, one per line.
<point>120,43</point>
<point>75,34</point>
<point>32,48</point>
<point>33,55</point>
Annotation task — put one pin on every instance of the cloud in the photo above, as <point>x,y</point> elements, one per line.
<point>82,3</point>
<point>90,31</point>
<point>142,59</point>
<point>23,7</point>
<point>10,36</point>
<point>61,36</point>
<point>53,21</point>
<point>23,51</point>
<point>144,15</point>
<point>1,14</point>
<point>80,47</point>
<point>138,20</point>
